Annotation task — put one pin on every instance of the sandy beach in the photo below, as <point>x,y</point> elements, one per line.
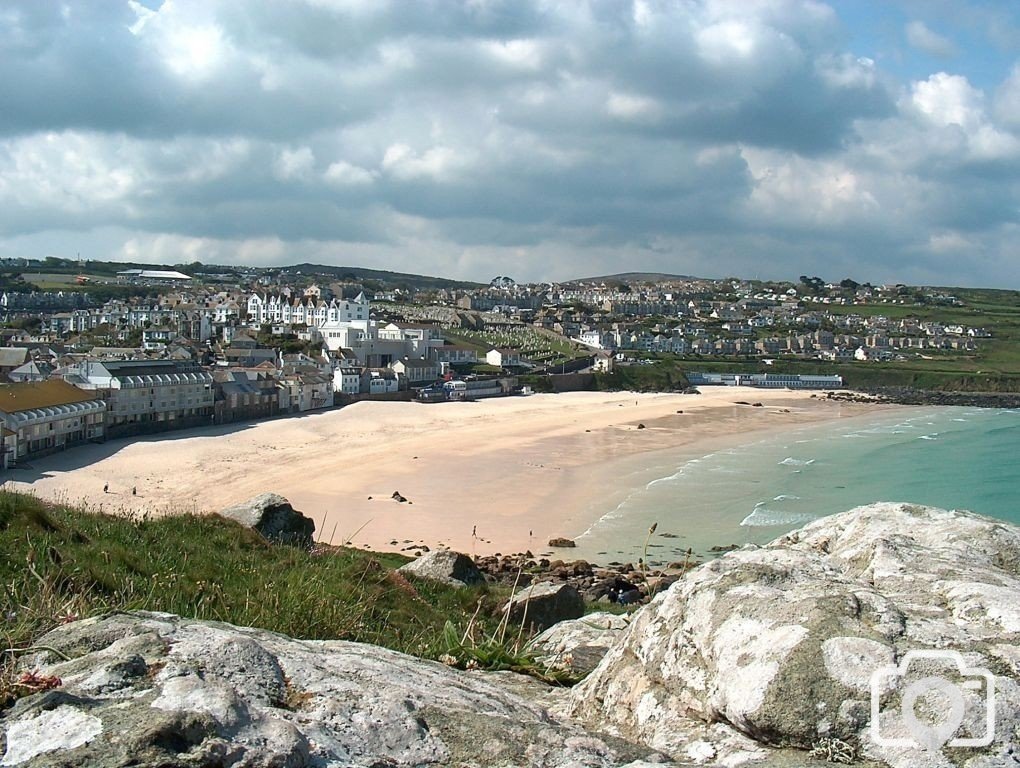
<point>500,475</point>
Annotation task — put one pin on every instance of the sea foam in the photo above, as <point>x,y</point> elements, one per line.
<point>763,517</point>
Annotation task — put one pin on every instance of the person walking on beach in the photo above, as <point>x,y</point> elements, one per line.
<point>106,488</point>
<point>134,491</point>
<point>474,531</point>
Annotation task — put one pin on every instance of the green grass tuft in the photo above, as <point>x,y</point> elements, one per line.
<point>58,564</point>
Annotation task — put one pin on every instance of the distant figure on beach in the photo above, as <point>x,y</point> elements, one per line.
<point>474,531</point>
<point>134,491</point>
<point>106,488</point>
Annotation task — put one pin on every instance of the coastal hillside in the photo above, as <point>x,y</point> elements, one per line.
<point>839,643</point>
<point>59,564</point>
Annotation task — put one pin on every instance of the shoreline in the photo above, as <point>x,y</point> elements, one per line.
<point>517,471</point>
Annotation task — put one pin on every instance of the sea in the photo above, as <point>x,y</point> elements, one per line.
<point>949,457</point>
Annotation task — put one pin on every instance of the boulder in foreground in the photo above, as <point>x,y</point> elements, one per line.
<point>542,605</point>
<point>272,515</point>
<point>151,690</point>
<point>446,567</point>
<point>779,644</point>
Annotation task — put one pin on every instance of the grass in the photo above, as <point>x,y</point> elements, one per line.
<point>58,564</point>
<point>662,376</point>
<point>535,344</point>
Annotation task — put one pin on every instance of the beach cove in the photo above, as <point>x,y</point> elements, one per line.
<point>501,475</point>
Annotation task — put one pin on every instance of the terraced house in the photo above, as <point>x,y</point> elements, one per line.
<point>47,416</point>
<point>311,311</point>
<point>145,396</point>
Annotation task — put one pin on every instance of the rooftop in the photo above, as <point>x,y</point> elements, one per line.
<point>41,394</point>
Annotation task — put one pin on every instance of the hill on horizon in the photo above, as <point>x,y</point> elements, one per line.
<point>633,277</point>
<point>390,279</point>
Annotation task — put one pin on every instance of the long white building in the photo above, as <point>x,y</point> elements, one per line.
<point>275,309</point>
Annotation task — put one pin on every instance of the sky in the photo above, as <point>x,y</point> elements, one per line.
<point>543,140</point>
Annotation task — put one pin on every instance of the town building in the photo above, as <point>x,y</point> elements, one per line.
<point>245,394</point>
<point>47,416</point>
<point>503,358</point>
<point>147,395</point>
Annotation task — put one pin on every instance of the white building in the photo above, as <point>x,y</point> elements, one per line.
<point>503,358</point>
<point>347,380</point>
<point>275,309</point>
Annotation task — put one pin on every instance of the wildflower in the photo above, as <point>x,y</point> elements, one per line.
<point>448,660</point>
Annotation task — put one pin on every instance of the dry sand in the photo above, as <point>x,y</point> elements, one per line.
<point>519,470</point>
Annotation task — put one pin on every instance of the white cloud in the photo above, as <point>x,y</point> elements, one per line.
<point>924,39</point>
<point>803,191</point>
<point>295,163</point>
<point>192,46</point>
<point>719,43</point>
<point>951,102</point>
<point>345,174</point>
<point>68,171</point>
<point>948,99</point>
<point>703,134</point>
<point>631,107</point>
<point>950,242</point>
<point>521,54</point>
<point>1007,100</point>
<point>438,163</point>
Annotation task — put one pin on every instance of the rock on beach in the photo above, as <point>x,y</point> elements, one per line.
<point>272,515</point>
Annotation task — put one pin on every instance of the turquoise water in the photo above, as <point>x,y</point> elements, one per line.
<point>966,458</point>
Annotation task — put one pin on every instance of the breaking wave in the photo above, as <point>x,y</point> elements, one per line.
<point>763,517</point>
<point>789,461</point>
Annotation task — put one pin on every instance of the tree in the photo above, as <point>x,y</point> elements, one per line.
<point>813,283</point>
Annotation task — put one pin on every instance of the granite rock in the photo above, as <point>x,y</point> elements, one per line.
<point>578,645</point>
<point>272,515</point>
<point>542,605</point>
<point>777,645</point>
<point>446,567</point>
<point>149,689</point>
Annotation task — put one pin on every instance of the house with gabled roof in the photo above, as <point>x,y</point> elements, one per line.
<point>11,358</point>
<point>416,370</point>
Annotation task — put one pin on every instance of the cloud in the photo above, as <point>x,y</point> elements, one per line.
<point>555,138</point>
<point>922,38</point>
